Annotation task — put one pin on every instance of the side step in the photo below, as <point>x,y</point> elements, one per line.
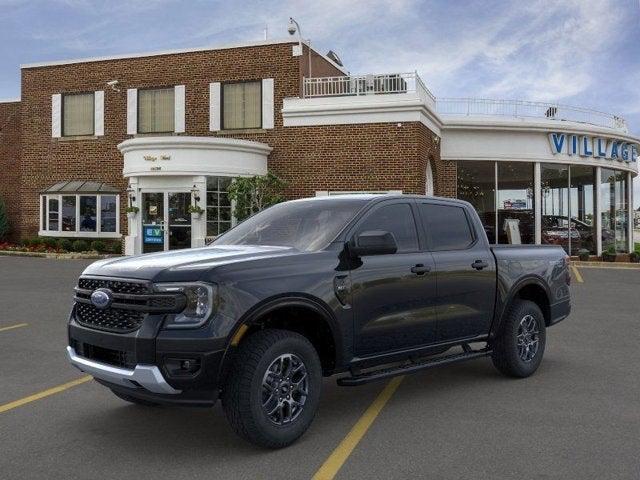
<point>411,367</point>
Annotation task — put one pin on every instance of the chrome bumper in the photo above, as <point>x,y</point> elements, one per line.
<point>146,376</point>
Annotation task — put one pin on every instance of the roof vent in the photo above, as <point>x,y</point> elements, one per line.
<point>334,57</point>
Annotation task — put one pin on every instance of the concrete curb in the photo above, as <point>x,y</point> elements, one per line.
<point>58,256</point>
<point>613,265</point>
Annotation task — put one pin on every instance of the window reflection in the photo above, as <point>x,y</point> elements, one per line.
<point>613,201</point>
<point>581,204</point>
<point>476,185</point>
<point>516,221</point>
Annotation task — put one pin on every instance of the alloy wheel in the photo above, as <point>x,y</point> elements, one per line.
<point>528,338</point>
<point>285,387</point>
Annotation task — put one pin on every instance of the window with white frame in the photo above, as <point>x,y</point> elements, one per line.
<point>79,215</point>
<point>219,216</point>
<point>156,110</point>
<point>241,105</point>
<point>78,114</point>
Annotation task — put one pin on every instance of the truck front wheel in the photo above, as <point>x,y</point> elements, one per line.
<point>272,392</point>
<point>519,346</point>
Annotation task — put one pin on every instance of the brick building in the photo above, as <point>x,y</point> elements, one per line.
<point>162,131</point>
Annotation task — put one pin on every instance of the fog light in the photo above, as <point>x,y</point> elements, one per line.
<point>177,367</point>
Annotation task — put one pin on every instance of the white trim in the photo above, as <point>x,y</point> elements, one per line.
<point>132,111</point>
<point>10,100</point>
<point>77,233</point>
<point>175,52</point>
<point>630,242</point>
<point>91,235</point>
<point>268,107</point>
<point>215,117</point>
<point>598,212</point>
<point>98,113</point>
<point>179,109</point>
<point>56,115</point>
<point>537,202</point>
<point>429,187</point>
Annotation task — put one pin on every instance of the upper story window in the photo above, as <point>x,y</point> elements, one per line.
<point>241,105</point>
<point>78,114</point>
<point>156,110</point>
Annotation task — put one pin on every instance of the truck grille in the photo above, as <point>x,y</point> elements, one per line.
<point>111,319</point>
<point>132,300</point>
<point>117,358</point>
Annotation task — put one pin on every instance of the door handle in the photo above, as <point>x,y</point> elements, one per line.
<point>479,264</point>
<point>420,269</point>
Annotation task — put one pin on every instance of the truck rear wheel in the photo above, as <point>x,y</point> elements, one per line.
<point>519,347</point>
<point>272,392</point>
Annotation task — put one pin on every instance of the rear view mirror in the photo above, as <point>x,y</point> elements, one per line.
<point>373,242</point>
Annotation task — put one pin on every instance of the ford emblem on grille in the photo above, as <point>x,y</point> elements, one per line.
<point>102,298</point>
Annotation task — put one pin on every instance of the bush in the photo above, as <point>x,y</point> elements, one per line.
<point>80,246</point>
<point>25,242</point>
<point>49,242</point>
<point>98,246</point>
<point>65,244</point>
<point>115,247</point>
<point>35,241</point>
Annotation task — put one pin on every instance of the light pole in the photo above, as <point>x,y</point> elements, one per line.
<point>292,29</point>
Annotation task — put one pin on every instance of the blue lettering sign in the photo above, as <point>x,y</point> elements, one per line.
<point>557,142</point>
<point>601,147</point>
<point>624,151</point>
<point>586,147</point>
<point>153,234</point>
<point>614,150</point>
<point>573,146</point>
<point>634,153</point>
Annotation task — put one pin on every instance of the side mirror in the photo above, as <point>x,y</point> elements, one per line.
<point>373,242</point>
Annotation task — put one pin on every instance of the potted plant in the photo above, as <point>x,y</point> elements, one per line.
<point>609,255</point>
<point>195,211</point>
<point>132,211</point>
<point>583,255</point>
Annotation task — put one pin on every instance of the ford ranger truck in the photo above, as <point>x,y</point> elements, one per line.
<point>362,286</point>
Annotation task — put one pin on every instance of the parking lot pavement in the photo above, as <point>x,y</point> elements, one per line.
<point>577,418</point>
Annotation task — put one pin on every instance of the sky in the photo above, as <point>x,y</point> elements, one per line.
<point>577,52</point>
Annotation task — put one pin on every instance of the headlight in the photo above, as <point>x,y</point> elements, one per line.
<point>199,307</point>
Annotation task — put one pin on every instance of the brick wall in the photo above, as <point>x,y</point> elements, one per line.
<point>9,160</point>
<point>444,171</point>
<point>340,157</point>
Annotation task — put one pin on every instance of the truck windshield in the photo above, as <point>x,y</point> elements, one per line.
<point>305,225</point>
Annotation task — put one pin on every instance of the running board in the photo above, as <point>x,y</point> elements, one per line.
<point>411,367</point>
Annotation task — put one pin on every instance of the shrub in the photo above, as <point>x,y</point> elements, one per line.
<point>98,246</point>
<point>115,247</point>
<point>25,242</point>
<point>35,241</point>
<point>65,244</point>
<point>80,246</point>
<point>583,254</point>
<point>49,242</point>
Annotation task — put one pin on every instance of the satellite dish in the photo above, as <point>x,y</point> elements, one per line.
<point>334,56</point>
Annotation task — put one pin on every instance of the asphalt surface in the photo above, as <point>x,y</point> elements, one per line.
<point>577,418</point>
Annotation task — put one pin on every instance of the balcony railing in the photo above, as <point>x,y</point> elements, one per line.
<point>356,85</point>
<point>526,109</point>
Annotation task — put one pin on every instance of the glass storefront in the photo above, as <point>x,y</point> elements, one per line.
<point>516,218</point>
<point>614,190</point>
<point>568,198</point>
<point>477,185</point>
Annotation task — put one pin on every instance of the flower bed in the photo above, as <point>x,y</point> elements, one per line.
<point>48,245</point>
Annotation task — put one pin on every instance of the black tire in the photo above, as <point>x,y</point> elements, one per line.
<point>510,353</point>
<point>137,401</point>
<point>249,385</point>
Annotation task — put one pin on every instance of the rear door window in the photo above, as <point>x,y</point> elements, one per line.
<point>446,227</point>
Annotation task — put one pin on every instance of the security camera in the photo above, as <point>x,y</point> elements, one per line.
<point>292,27</point>
<point>112,84</point>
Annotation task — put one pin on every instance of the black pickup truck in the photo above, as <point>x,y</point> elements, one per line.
<point>367,286</point>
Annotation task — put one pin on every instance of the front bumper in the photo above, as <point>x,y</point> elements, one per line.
<point>145,376</point>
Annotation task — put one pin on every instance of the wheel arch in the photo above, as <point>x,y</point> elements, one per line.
<point>530,288</point>
<point>299,313</point>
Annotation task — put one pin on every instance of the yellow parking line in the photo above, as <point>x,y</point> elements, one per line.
<point>45,393</point>
<point>2,329</point>
<point>332,465</point>
<point>576,274</point>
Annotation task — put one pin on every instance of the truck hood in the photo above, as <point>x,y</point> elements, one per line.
<point>180,265</point>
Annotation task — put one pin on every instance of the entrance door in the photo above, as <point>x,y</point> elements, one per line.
<point>166,222</point>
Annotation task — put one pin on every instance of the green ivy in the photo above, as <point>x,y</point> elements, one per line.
<point>253,194</point>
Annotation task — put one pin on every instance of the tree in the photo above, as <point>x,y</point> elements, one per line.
<point>253,194</point>
<point>4,221</point>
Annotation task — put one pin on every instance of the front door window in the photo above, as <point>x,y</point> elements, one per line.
<point>166,221</point>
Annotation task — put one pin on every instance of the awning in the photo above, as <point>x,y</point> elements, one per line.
<point>81,186</point>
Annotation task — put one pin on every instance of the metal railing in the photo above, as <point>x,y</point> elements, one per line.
<point>526,109</point>
<point>355,85</point>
